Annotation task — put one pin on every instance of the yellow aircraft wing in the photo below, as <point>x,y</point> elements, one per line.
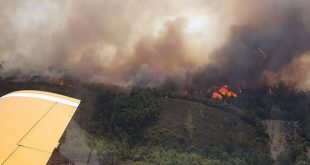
<point>31,124</point>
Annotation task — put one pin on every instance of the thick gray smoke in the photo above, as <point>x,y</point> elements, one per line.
<point>138,42</point>
<point>254,53</point>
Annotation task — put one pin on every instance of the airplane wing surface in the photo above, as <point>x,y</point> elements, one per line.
<point>31,124</point>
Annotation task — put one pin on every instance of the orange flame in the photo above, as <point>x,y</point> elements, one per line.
<point>184,92</point>
<point>61,82</point>
<point>217,96</point>
<point>222,92</point>
<point>270,92</point>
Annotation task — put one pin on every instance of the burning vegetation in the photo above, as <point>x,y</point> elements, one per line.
<point>61,82</point>
<point>177,51</point>
<point>143,118</point>
<point>186,44</point>
<point>223,92</point>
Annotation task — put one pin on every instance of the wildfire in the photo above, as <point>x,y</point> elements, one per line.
<point>184,92</point>
<point>217,96</point>
<point>61,82</point>
<point>270,92</point>
<point>222,92</point>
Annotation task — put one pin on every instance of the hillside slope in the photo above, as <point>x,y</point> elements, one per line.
<point>200,124</point>
<point>183,128</point>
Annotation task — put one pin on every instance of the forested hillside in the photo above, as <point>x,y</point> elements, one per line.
<point>135,126</point>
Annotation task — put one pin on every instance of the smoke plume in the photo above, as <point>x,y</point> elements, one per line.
<point>136,42</point>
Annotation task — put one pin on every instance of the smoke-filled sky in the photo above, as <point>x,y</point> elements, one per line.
<point>147,42</point>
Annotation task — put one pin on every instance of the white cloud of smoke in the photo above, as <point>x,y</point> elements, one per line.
<point>140,42</point>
